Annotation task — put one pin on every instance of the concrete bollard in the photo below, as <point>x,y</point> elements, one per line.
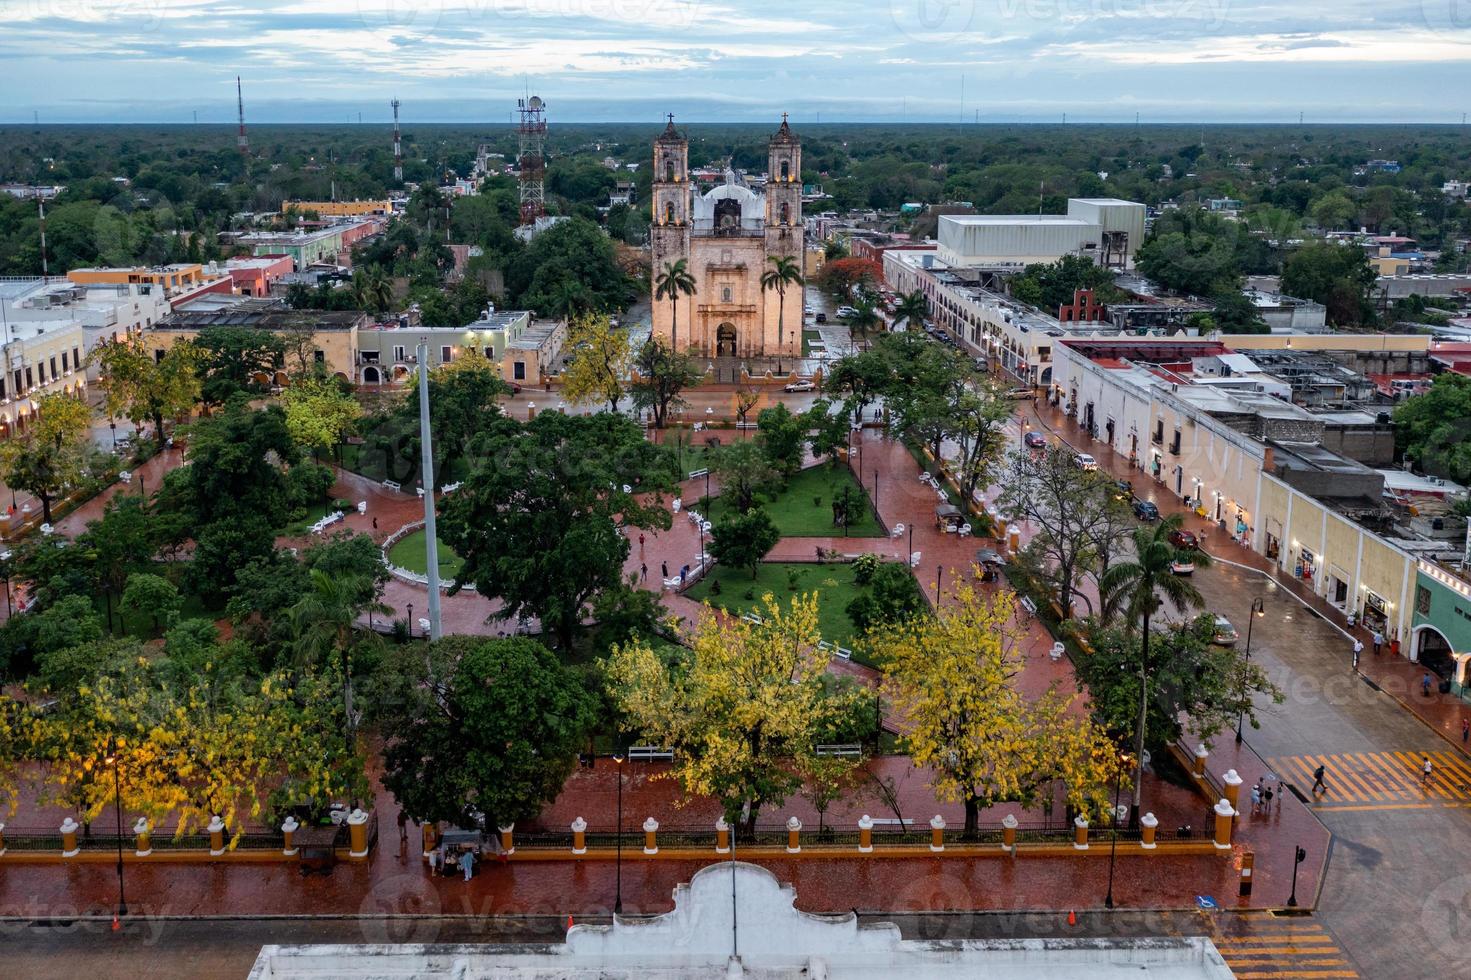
<point>1008,832</point>
<point>937,833</point>
<point>1201,754</point>
<point>357,834</point>
<point>216,831</point>
<point>1247,860</point>
<point>508,841</point>
<point>430,838</point>
<point>865,834</point>
<point>1232,784</point>
<point>289,827</point>
<point>143,831</point>
<point>1148,825</point>
<point>1080,833</point>
<point>651,830</point>
<point>1014,537</point>
<point>722,836</point>
<point>69,847</point>
<point>2,839</point>
<point>794,836</point>
<point>579,836</point>
<point>1224,812</point>
<point>530,411</point>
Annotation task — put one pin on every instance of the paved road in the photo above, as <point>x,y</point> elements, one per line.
<point>1398,893</point>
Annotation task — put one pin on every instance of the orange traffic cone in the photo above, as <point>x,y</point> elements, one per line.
<point>116,925</point>
<point>569,920</point>
<point>1072,918</point>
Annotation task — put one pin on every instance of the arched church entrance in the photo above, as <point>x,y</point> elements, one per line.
<point>725,340</point>
<point>1434,652</point>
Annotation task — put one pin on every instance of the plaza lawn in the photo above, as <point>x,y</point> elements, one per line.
<point>833,584</point>
<point>796,516</point>
<point>314,513</point>
<point>408,553</point>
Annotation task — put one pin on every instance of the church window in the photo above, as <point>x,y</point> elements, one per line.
<point>786,214</point>
<point>786,170</point>
<point>725,294</point>
<point>669,170</point>
<point>669,212</point>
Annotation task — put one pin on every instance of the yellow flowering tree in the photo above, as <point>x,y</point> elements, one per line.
<point>600,357</point>
<point>319,413</point>
<point>742,711</point>
<point>952,678</point>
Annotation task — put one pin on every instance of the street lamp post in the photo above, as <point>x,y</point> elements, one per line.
<point>1298,857</point>
<point>112,424</point>
<point>911,540</point>
<point>618,758</point>
<point>875,490</point>
<point>1113,847</point>
<point>411,620</point>
<point>939,578</point>
<point>117,787</point>
<point>1258,608</point>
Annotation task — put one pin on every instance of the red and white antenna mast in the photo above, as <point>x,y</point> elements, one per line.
<point>398,150</point>
<point>241,141</point>
<point>531,160</point>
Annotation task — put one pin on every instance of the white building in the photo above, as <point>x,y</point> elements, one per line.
<point>734,920</point>
<point>1106,229</point>
<point>1288,314</point>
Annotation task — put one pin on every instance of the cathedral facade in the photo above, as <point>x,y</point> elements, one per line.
<point>727,238</point>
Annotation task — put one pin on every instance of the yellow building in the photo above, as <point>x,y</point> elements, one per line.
<point>330,338</point>
<point>338,209</point>
<point>170,278</point>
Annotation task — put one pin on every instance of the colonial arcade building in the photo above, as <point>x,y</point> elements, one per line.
<point>726,238</point>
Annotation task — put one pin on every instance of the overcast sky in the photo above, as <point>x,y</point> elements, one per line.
<point>453,60</point>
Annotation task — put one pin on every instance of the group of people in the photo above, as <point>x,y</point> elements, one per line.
<point>1267,789</point>
<point>442,861</point>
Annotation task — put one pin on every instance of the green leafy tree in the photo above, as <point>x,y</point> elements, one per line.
<point>568,269</point>
<point>911,309</point>
<point>863,377</point>
<point>539,521</point>
<point>742,469</point>
<point>782,436</point>
<point>48,460</point>
<point>828,430</point>
<point>849,506</point>
<point>142,388</point>
<point>672,282</point>
<point>743,540</point>
<point>1430,428</point>
<point>660,378</point>
<point>235,359</point>
<point>479,728</point>
<point>864,320</point>
<point>1338,276</point>
<point>892,597</point>
<point>1052,284</point>
<point>155,597</point>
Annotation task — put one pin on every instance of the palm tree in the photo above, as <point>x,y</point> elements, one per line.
<point>784,272</point>
<point>864,319</point>
<point>673,282</point>
<point>1144,585</point>
<point>911,308</point>
<point>324,626</point>
<point>372,289</point>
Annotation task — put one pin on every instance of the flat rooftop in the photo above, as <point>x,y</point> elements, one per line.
<point>1015,219</point>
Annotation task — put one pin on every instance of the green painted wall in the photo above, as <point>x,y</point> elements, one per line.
<point>1449,612</point>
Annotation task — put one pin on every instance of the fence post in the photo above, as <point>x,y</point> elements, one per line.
<point>1148,824</point>
<point>1080,833</point>
<point>865,834</point>
<point>69,838</point>
<point>794,838</point>
<point>1201,754</point>
<point>289,827</point>
<point>1224,812</point>
<point>216,830</point>
<point>144,832</point>
<point>1008,832</point>
<point>1232,784</point>
<point>508,841</point>
<point>651,830</point>
<point>722,836</point>
<point>937,833</point>
<point>579,836</point>
<point>357,834</point>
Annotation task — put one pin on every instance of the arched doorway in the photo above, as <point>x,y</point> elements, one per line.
<point>1434,653</point>
<point>282,378</point>
<point>400,373</point>
<point>725,340</point>
<point>371,376</point>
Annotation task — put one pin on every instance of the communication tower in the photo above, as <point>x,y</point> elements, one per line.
<point>531,158</point>
<point>398,149</point>
<point>241,141</point>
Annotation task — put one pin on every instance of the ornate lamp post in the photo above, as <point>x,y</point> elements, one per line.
<point>1113,847</point>
<point>111,759</point>
<point>618,758</point>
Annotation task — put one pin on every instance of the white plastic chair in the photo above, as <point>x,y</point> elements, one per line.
<point>898,531</point>
<point>965,530</point>
<point>677,504</point>
<point>914,558</point>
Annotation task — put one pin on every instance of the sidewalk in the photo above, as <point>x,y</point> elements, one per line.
<point>1397,676</point>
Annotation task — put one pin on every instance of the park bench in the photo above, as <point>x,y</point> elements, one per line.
<point>393,485</point>
<point>699,474</point>
<point>649,753</point>
<point>846,750</point>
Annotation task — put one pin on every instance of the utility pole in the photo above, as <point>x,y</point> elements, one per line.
<point>431,535</point>
<point>41,209</point>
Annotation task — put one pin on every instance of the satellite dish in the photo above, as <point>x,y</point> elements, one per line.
<point>535,102</point>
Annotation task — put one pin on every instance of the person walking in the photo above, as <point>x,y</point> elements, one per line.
<point>1425,772</point>
<point>1267,800</point>
<point>1358,649</point>
<point>640,545</point>
<point>467,863</point>
<point>643,573</point>
<point>1465,730</point>
<point>1378,642</point>
<point>1256,799</point>
<point>434,862</point>
<point>664,570</point>
<point>1425,684</point>
<point>1318,785</point>
<point>403,833</point>
<point>375,523</point>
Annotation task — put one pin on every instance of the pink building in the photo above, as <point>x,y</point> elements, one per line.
<point>255,275</point>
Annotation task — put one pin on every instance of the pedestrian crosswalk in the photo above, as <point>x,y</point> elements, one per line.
<point>1380,780</point>
<point>1265,948</point>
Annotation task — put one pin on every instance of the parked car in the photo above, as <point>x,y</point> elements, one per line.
<point>1146,510</point>
<point>515,388</point>
<point>1225,634</point>
<point>1084,461</point>
<point>1034,440</point>
<point>795,386</point>
<point>820,317</point>
<point>1183,564</point>
<point>846,311</point>
<point>1016,393</point>
<point>1184,540</point>
<point>1123,490</point>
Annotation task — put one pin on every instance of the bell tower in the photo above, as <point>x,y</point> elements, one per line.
<point>784,193</point>
<point>669,227</point>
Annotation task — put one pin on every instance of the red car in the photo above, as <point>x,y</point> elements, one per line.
<point>1184,540</point>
